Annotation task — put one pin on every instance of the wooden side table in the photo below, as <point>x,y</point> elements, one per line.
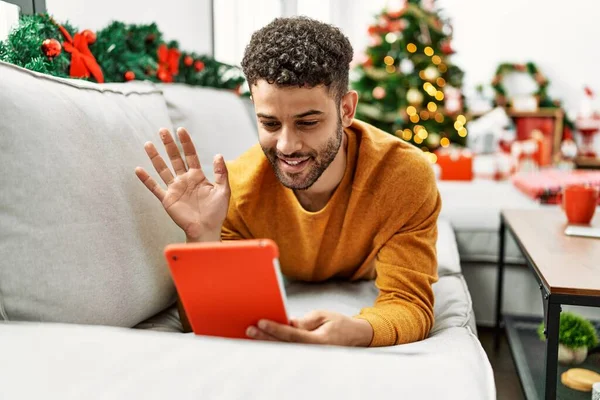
<point>566,268</point>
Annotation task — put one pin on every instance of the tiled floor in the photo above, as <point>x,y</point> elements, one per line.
<point>507,381</point>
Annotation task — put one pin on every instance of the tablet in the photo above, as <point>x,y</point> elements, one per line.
<point>225,287</point>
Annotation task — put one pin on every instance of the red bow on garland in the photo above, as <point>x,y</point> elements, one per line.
<point>168,63</point>
<point>83,63</point>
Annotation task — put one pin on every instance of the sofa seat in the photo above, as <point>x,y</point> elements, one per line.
<point>79,361</point>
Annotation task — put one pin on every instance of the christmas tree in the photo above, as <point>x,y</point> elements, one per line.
<point>407,84</point>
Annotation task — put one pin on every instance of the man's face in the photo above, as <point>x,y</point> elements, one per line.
<point>300,131</point>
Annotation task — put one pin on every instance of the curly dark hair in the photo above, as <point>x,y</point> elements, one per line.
<point>299,51</point>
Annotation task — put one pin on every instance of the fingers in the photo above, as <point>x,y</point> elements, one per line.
<point>173,152</point>
<point>159,163</point>
<point>255,333</point>
<point>191,157</point>
<point>287,333</point>
<point>310,321</point>
<point>150,183</point>
<point>220,169</point>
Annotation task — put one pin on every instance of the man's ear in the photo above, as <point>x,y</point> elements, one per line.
<point>348,107</point>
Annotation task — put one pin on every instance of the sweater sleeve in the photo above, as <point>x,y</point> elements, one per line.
<point>406,268</point>
<point>234,227</point>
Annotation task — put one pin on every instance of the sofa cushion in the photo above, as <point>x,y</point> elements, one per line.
<point>81,238</point>
<point>217,120</point>
<point>72,362</point>
<point>473,209</point>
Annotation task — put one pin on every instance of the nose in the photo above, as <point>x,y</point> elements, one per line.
<point>288,142</point>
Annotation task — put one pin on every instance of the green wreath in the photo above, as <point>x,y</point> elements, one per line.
<point>541,94</point>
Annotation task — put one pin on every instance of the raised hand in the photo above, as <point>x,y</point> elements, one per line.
<point>196,205</point>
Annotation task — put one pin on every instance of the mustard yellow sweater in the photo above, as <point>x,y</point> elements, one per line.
<point>381,222</point>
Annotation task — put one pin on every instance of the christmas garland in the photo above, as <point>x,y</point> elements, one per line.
<point>117,53</point>
<point>530,68</point>
<point>544,100</point>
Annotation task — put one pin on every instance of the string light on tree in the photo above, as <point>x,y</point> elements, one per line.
<point>407,66</point>
<point>441,82</point>
<point>388,60</point>
<point>410,110</point>
<point>378,93</point>
<point>414,96</point>
<point>433,140</point>
<point>431,73</point>
<point>391,37</point>
<point>411,47</point>
<point>444,142</point>
<point>431,106</point>
<point>439,95</point>
<point>436,60</point>
<point>428,51</point>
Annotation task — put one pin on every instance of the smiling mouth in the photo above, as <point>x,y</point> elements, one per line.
<point>293,165</point>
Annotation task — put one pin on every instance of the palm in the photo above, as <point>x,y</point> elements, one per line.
<point>196,205</point>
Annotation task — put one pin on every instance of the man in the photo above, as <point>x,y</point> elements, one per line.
<point>342,199</point>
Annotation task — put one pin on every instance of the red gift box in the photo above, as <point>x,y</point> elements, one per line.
<point>455,165</point>
<point>546,186</point>
<point>546,125</point>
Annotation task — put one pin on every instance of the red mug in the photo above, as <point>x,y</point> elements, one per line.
<point>579,203</point>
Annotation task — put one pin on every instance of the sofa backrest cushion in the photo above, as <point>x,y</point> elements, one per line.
<point>217,120</point>
<point>81,239</point>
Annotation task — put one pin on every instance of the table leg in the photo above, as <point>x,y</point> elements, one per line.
<point>499,285</point>
<point>552,324</point>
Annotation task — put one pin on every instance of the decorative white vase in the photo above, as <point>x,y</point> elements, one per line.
<point>569,356</point>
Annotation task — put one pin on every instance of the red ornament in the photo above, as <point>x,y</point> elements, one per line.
<point>198,65</point>
<point>51,48</point>
<point>129,76</point>
<point>188,61</point>
<point>395,26</point>
<point>373,30</point>
<point>89,36</point>
<point>447,48</point>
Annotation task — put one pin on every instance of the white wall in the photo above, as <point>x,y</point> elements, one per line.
<point>560,37</point>
<point>187,21</point>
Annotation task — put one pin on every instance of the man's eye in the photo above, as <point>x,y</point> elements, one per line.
<point>270,124</point>
<point>307,123</point>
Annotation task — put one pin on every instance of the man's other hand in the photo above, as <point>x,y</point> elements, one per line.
<point>317,327</point>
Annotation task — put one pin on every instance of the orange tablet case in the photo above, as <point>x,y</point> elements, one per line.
<point>225,287</point>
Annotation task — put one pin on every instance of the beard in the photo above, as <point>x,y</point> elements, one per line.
<point>319,160</point>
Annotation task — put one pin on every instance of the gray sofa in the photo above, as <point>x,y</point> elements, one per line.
<point>81,264</point>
